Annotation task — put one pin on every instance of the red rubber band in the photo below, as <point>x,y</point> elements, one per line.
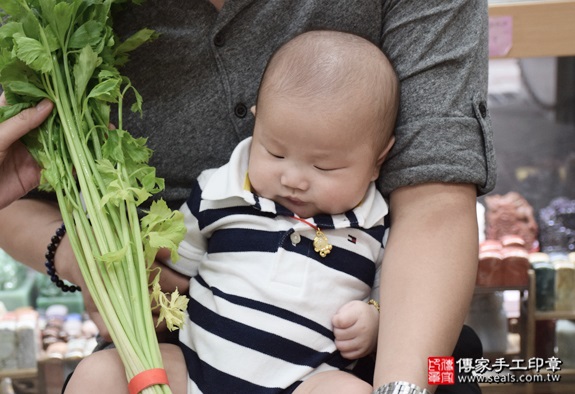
<point>146,379</point>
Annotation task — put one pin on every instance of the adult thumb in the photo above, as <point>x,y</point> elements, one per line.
<point>15,127</point>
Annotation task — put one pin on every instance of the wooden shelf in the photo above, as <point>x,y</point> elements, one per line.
<point>554,315</point>
<point>534,315</point>
<point>19,373</point>
<point>539,28</point>
<point>491,289</point>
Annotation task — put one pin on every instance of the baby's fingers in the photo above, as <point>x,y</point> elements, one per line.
<point>346,316</point>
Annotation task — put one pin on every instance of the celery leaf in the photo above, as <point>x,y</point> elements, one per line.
<point>83,70</point>
<point>33,53</point>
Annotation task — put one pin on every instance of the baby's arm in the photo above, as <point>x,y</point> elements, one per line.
<point>194,245</point>
<point>355,326</point>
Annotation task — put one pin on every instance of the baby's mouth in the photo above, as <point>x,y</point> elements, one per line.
<point>295,201</point>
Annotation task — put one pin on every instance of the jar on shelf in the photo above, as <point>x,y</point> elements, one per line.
<point>515,261</point>
<point>488,319</point>
<point>565,342</point>
<point>564,282</point>
<point>544,281</point>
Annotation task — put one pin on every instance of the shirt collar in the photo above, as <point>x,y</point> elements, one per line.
<point>228,181</point>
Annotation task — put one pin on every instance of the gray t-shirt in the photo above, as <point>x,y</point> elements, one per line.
<point>200,77</point>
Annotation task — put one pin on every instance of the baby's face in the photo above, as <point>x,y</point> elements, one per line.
<point>309,161</point>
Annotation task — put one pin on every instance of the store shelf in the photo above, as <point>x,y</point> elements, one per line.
<point>539,28</point>
<point>527,319</point>
<point>533,315</point>
<point>491,289</point>
<point>518,349</point>
<point>18,373</point>
<point>554,315</point>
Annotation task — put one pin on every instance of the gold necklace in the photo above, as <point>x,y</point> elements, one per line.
<point>320,243</point>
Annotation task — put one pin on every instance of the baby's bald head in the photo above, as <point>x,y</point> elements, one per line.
<point>335,70</point>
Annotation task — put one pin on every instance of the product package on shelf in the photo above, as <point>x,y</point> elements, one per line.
<point>503,263</point>
<point>8,360</point>
<point>554,281</point>
<point>490,269</point>
<point>565,341</point>
<point>564,283</point>
<point>19,339</point>
<point>67,337</point>
<point>511,233</point>
<point>544,281</point>
<point>488,318</point>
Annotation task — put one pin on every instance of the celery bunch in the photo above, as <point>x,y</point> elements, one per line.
<point>67,51</point>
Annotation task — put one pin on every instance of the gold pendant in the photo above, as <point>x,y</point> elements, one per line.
<point>320,244</point>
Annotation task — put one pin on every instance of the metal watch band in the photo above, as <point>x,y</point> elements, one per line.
<point>400,388</point>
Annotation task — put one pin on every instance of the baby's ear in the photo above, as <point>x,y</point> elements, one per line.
<point>382,156</point>
<point>253,110</point>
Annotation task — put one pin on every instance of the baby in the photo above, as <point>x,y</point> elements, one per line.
<point>285,241</point>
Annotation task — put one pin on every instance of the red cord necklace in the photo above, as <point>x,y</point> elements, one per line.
<point>320,242</point>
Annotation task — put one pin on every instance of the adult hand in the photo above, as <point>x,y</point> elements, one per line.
<point>355,327</point>
<point>19,172</point>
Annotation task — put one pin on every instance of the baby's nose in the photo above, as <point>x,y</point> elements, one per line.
<point>294,179</point>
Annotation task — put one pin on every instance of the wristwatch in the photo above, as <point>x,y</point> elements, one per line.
<point>400,388</point>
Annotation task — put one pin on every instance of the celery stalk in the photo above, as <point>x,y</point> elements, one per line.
<point>66,50</point>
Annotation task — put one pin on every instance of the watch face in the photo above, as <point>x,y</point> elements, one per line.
<point>400,388</point>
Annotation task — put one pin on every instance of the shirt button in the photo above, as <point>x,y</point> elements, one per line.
<point>219,40</point>
<point>295,238</point>
<point>483,109</point>
<point>241,110</point>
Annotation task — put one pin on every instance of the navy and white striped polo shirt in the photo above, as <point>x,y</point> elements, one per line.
<point>261,298</point>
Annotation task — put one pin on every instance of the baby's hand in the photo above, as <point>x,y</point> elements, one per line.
<point>355,326</point>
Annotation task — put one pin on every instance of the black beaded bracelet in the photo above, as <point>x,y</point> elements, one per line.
<point>50,268</point>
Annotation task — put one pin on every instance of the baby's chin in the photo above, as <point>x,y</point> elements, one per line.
<point>305,214</point>
<point>304,210</point>
<point>308,211</point>
<point>314,211</point>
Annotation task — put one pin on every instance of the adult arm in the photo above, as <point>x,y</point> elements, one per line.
<point>26,230</point>
<point>27,225</point>
<point>443,157</point>
<point>427,280</point>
